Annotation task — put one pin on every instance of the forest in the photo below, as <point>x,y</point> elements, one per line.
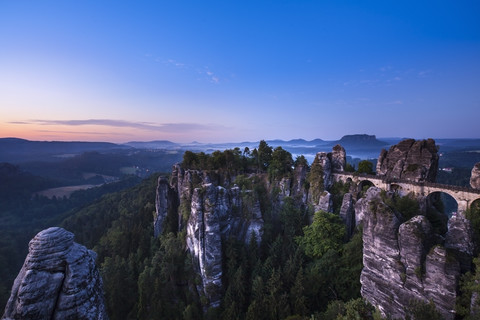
<point>304,267</point>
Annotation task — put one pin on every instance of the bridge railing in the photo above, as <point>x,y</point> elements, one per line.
<point>425,183</point>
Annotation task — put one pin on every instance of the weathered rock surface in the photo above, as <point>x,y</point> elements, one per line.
<point>217,213</point>
<point>325,202</point>
<point>410,160</point>
<point>475,177</point>
<point>298,184</point>
<point>339,158</point>
<point>460,239</point>
<point>58,280</point>
<point>165,202</point>
<point>320,178</point>
<point>402,262</point>
<point>347,214</point>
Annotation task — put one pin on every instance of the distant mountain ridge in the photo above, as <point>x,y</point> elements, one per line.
<point>13,148</point>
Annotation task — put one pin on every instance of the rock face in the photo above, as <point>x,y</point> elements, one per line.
<point>347,213</point>
<point>410,160</point>
<point>339,158</point>
<point>165,202</point>
<point>460,239</point>
<point>475,177</point>
<point>320,178</point>
<point>325,202</point>
<point>216,213</point>
<point>402,262</point>
<point>59,280</point>
<point>212,209</point>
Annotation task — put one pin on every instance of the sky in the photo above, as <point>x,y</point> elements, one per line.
<point>232,71</point>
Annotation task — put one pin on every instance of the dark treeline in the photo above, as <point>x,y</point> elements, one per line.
<point>23,215</point>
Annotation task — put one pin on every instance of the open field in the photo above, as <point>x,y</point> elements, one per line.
<point>64,191</point>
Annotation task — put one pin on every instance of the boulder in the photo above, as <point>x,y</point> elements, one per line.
<point>59,280</point>
<point>409,160</point>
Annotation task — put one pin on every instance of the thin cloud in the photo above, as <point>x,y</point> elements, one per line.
<point>205,71</point>
<point>213,78</point>
<point>150,126</point>
<point>396,102</point>
<point>424,73</point>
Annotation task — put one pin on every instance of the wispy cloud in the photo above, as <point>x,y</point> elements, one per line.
<point>395,102</point>
<point>211,76</point>
<point>150,126</point>
<point>205,72</point>
<point>175,63</point>
<point>424,73</point>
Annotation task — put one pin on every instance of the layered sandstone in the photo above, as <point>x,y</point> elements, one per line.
<point>59,280</point>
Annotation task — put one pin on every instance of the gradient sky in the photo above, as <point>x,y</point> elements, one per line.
<point>217,71</point>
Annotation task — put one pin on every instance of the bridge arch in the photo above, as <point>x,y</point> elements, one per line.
<point>444,202</point>
<point>365,184</point>
<point>475,205</point>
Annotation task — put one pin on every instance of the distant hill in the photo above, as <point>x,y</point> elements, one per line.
<point>360,140</point>
<point>157,144</point>
<point>19,150</point>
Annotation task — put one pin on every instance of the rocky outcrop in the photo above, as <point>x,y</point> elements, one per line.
<point>402,262</point>
<point>58,280</point>
<point>325,202</point>
<point>217,213</point>
<point>410,160</point>
<point>475,177</point>
<point>347,214</point>
<point>165,203</point>
<point>460,239</point>
<point>339,158</point>
<point>320,177</point>
<point>298,190</point>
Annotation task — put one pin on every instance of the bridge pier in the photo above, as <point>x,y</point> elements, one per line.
<point>462,205</point>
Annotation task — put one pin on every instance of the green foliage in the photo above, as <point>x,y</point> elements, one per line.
<point>420,310</point>
<point>365,166</point>
<point>281,164</point>
<point>264,155</point>
<point>301,161</point>
<point>325,233</point>
<point>315,180</point>
<point>407,205</point>
<point>469,285</point>
<point>436,214</point>
<point>349,168</point>
<point>338,190</point>
<point>473,214</point>
<point>22,216</point>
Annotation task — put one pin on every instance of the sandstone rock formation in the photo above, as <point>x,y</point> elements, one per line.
<point>59,280</point>
<point>325,202</point>
<point>460,239</point>
<point>339,158</point>
<point>320,177</point>
<point>347,213</point>
<point>402,262</point>
<point>212,209</point>
<point>410,160</point>
<point>165,202</point>
<point>475,177</point>
<point>216,213</point>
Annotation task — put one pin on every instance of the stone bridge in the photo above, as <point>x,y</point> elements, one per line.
<point>463,195</point>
